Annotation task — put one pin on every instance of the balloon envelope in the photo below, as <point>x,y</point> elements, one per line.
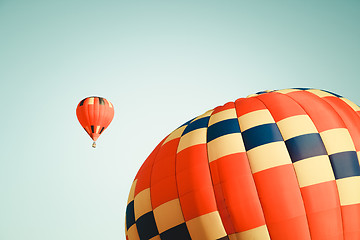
<point>276,165</point>
<point>95,114</point>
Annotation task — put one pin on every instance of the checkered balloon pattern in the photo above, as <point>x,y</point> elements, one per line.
<point>280,165</point>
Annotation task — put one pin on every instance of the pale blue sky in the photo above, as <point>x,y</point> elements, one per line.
<point>160,63</point>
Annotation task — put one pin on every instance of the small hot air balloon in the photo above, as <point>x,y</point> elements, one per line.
<point>276,165</point>
<point>95,114</point>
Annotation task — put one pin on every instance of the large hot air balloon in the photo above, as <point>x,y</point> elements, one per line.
<point>95,114</point>
<point>280,165</point>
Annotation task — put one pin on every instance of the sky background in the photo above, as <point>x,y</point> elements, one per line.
<point>160,63</point>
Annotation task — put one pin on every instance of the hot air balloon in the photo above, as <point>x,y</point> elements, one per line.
<point>95,114</point>
<point>277,165</point>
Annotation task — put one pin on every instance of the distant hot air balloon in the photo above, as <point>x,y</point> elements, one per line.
<point>276,165</point>
<point>95,114</point>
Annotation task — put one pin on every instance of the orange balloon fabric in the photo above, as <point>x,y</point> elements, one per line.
<point>276,165</point>
<point>95,114</point>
